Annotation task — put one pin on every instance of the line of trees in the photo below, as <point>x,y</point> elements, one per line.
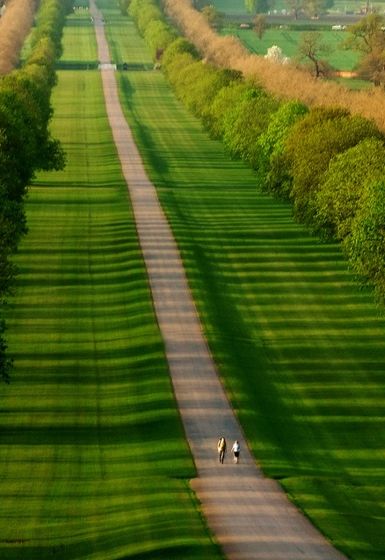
<point>328,163</point>
<point>15,24</point>
<point>311,8</point>
<point>283,80</point>
<point>26,144</point>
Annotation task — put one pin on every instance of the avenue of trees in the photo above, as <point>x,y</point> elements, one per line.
<point>329,163</point>
<point>15,23</point>
<point>25,141</point>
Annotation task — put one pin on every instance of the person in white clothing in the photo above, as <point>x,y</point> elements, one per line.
<point>236,449</point>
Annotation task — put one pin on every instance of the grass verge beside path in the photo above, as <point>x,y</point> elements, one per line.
<point>301,348</point>
<point>94,464</point>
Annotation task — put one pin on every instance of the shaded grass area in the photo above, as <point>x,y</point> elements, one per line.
<point>94,464</point>
<point>300,346</point>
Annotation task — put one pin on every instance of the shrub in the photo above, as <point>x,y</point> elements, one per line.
<point>272,169</point>
<point>338,198</point>
<point>225,100</point>
<point>310,147</point>
<point>246,122</point>
<point>158,36</point>
<point>365,246</point>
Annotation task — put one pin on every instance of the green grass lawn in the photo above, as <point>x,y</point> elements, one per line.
<point>288,41</point>
<point>230,7</point>
<point>123,47</point>
<point>94,464</point>
<point>237,7</point>
<point>79,46</point>
<point>300,346</point>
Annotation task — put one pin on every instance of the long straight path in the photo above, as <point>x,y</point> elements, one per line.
<point>249,515</point>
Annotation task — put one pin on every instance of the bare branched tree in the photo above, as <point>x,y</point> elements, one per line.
<point>311,48</point>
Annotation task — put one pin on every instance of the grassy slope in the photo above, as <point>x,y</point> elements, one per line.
<point>93,459</point>
<point>300,346</point>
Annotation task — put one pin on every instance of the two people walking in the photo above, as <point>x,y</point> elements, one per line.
<point>222,446</point>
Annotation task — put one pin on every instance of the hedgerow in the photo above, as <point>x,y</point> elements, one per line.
<point>26,144</point>
<point>299,153</point>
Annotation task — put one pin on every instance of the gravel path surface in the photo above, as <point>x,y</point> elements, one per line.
<point>250,515</point>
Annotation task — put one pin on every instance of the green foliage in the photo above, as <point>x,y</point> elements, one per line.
<point>311,145</point>
<point>198,83</point>
<point>179,53</point>
<point>367,35</point>
<point>368,38</point>
<point>5,361</point>
<point>257,6</point>
<point>344,182</point>
<point>365,246</point>
<point>272,168</point>
<point>246,121</point>
<point>225,100</point>
<point>158,36</point>
<point>26,144</point>
<point>123,6</point>
<point>143,12</point>
<point>250,6</point>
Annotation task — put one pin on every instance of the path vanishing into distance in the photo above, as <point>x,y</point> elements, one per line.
<point>250,515</point>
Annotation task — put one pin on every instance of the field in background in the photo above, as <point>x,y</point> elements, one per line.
<point>340,7</point>
<point>300,347</point>
<point>288,40</point>
<point>94,464</point>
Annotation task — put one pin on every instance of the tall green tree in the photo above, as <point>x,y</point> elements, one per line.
<point>365,246</point>
<point>244,124</point>
<point>272,168</point>
<point>312,144</point>
<point>367,37</point>
<point>344,184</point>
<point>123,6</point>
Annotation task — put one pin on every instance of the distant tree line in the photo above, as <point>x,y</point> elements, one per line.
<point>312,8</point>
<point>26,144</point>
<point>328,163</point>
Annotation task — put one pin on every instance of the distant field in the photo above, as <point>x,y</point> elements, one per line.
<point>300,346</point>
<point>230,6</point>
<point>94,464</point>
<point>237,7</point>
<point>288,41</point>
